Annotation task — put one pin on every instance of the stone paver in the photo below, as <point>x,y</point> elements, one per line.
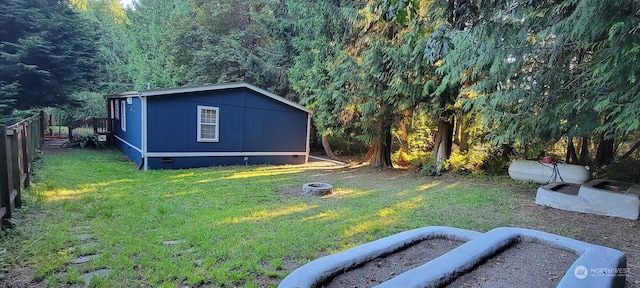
<point>78,228</point>
<point>180,253</point>
<point>84,259</point>
<point>85,237</point>
<point>173,242</point>
<point>96,273</point>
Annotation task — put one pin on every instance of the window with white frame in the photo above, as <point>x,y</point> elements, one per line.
<point>123,120</point>
<point>208,124</point>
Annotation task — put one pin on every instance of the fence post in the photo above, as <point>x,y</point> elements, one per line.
<point>42,123</point>
<point>15,164</point>
<point>6,182</point>
<point>24,152</point>
<point>31,150</point>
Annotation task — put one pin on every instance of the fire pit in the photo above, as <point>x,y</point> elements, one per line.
<point>317,189</point>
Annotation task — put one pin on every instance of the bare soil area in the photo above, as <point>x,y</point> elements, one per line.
<point>384,268</point>
<point>571,189</point>
<point>522,265</point>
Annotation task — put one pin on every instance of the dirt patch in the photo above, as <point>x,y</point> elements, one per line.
<point>295,191</point>
<point>521,265</point>
<point>384,268</point>
<point>20,277</point>
<point>54,146</point>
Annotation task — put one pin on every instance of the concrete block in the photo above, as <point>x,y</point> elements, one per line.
<point>464,258</point>
<point>548,196</point>
<point>325,268</point>
<point>596,266</point>
<point>613,198</point>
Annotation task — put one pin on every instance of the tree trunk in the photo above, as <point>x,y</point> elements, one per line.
<point>381,155</point>
<point>404,139</point>
<point>327,147</point>
<point>584,149</point>
<point>604,155</point>
<point>443,142</point>
<point>571,152</point>
<point>464,134</point>
<point>457,131</point>
<point>372,150</point>
<point>634,148</point>
<point>314,144</point>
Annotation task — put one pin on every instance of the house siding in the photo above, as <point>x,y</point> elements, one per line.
<point>248,122</point>
<point>172,122</point>
<point>129,141</point>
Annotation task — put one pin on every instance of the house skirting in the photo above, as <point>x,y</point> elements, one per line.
<point>193,159</point>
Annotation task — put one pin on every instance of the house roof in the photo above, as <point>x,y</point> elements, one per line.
<point>180,90</point>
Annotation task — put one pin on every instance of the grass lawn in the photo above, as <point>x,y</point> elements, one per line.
<point>237,226</point>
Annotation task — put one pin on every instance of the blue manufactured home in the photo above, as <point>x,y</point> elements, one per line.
<point>225,124</point>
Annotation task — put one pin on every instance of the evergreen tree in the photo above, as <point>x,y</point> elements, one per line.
<point>321,67</point>
<point>543,69</point>
<point>146,42</point>
<point>206,43</point>
<point>112,45</point>
<point>46,52</point>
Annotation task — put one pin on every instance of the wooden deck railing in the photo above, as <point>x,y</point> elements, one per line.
<point>18,147</point>
<point>96,125</point>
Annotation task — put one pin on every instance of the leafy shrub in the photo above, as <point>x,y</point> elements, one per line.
<point>85,141</point>
<point>627,170</point>
<point>430,168</point>
<point>420,158</point>
<point>466,162</point>
<point>92,105</point>
<point>347,146</point>
<point>497,160</point>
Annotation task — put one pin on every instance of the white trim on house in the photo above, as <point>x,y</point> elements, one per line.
<point>143,121</point>
<point>219,154</point>
<point>127,143</point>
<point>123,116</point>
<point>215,124</point>
<point>308,145</point>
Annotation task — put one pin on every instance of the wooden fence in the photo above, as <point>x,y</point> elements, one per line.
<point>18,147</point>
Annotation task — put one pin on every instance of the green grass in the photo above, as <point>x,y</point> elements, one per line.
<point>235,228</point>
